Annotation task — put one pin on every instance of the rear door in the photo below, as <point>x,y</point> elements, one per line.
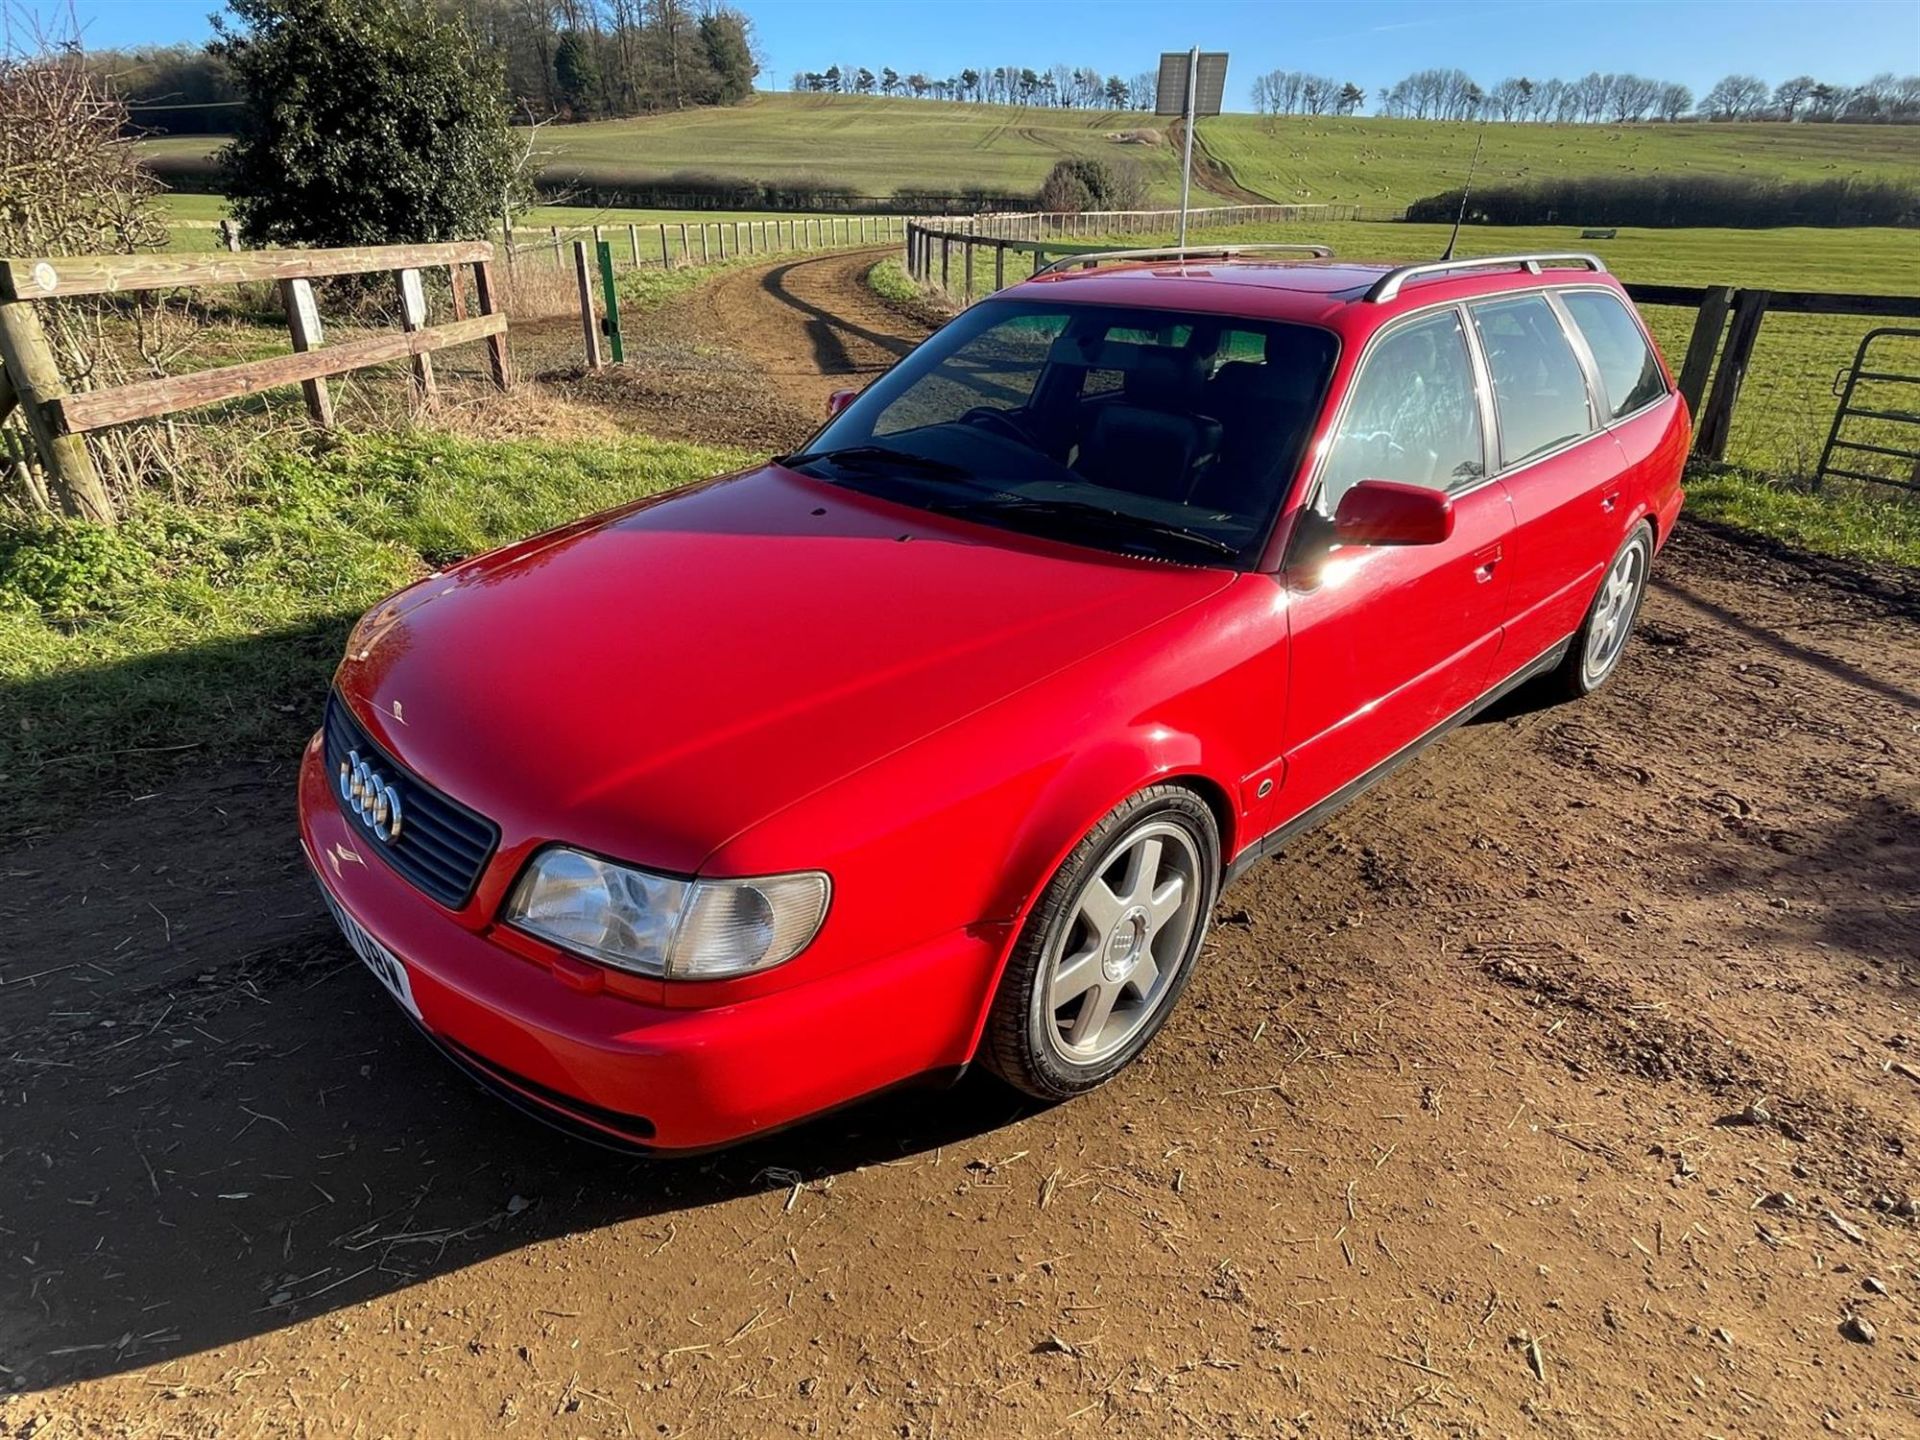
<point>1638,404</point>
<point>1390,642</point>
<point>1561,470</point>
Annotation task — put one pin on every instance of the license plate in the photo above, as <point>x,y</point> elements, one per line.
<point>382,961</point>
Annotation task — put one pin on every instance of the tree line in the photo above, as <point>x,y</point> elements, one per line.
<point>1295,92</point>
<point>1069,87</point>
<point>559,59</point>
<point>1623,98</point>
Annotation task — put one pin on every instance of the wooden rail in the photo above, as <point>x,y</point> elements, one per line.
<point>1712,390</point>
<point>671,245</point>
<point>58,420</point>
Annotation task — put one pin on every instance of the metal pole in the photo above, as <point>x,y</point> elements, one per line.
<point>1186,158</point>
<point>612,293</point>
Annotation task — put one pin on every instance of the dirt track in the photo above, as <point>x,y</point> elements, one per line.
<point>1565,1085</point>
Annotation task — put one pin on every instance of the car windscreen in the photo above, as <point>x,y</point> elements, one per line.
<point>1140,431</point>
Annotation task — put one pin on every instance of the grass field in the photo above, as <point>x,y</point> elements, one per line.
<point>1394,162</point>
<point>878,145</point>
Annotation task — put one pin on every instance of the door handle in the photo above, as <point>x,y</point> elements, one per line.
<point>1484,561</point>
<point>1608,502</point>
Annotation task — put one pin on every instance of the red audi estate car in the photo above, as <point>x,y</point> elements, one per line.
<point>937,740</point>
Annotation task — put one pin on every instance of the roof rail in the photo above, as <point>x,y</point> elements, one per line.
<point>1090,258</point>
<point>1390,284</point>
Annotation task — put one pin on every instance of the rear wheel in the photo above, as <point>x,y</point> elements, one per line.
<point>1108,949</point>
<point>1595,652</point>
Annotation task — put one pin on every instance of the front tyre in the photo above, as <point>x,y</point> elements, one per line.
<point>1108,948</point>
<point>1595,652</point>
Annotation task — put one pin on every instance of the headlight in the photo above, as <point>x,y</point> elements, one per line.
<point>671,929</point>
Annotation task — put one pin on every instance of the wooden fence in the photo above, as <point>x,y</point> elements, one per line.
<point>1094,224</point>
<point>705,242</point>
<point>1719,352</point>
<point>58,421</point>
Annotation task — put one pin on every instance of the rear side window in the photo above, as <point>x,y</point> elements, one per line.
<point>1628,369</point>
<point>1539,389</point>
<point>1413,415</point>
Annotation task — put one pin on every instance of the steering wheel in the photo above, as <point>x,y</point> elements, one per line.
<point>987,418</point>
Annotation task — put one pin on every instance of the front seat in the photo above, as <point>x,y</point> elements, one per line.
<point>1150,440</point>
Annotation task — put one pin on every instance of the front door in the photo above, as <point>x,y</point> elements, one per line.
<point>1388,643</point>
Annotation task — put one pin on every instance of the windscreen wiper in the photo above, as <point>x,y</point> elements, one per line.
<point>1112,521</point>
<point>879,457</point>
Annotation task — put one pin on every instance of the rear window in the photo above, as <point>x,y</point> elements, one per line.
<point>1628,368</point>
<point>1539,389</point>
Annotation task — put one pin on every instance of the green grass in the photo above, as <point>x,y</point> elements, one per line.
<point>878,145</point>
<point>890,281</point>
<point>1841,519</point>
<point>1377,162</point>
<point>207,626</point>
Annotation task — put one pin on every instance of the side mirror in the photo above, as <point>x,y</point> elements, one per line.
<point>1389,512</point>
<point>839,400</point>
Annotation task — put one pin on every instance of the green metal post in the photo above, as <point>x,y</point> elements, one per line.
<point>610,321</point>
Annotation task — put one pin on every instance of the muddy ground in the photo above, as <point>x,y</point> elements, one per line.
<point>1568,1084</point>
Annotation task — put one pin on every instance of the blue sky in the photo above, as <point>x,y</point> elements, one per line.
<point>1372,42</point>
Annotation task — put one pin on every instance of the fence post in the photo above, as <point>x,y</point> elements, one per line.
<point>967,245</point>
<point>489,304</point>
<point>706,255</point>
<point>413,316</point>
<point>303,323</point>
<point>614,344</point>
<point>999,267</point>
<point>686,255</point>
<point>666,254</point>
<point>1749,309</point>
<point>30,365</point>
<point>1707,326</point>
<point>946,259</point>
<point>633,244</point>
<point>589,326</point>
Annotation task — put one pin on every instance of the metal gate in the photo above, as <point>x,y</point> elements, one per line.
<point>1848,410</point>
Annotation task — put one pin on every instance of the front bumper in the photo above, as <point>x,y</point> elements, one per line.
<point>642,1076</point>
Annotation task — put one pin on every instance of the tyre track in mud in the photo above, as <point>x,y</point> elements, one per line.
<point>810,324</point>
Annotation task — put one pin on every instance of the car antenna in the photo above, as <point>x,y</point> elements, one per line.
<point>1465,191</point>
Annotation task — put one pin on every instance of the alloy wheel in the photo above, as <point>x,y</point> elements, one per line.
<point>1113,965</point>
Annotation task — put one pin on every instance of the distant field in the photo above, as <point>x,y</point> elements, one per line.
<point>877,146</point>
<point>1394,162</point>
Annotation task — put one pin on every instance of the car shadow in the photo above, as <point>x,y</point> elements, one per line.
<point>213,1122</point>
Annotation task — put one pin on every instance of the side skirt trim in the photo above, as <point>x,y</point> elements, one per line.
<point>1307,819</point>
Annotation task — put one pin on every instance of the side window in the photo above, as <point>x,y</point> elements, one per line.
<point>1412,414</point>
<point>1539,389</point>
<point>1628,369</point>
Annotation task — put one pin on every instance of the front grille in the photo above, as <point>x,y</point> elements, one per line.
<point>442,846</point>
